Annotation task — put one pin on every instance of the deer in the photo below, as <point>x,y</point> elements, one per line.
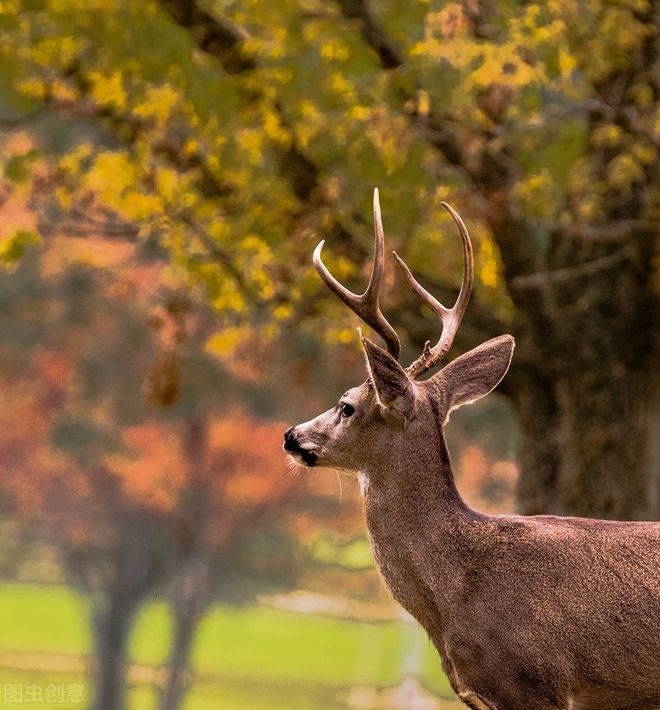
<point>534,612</point>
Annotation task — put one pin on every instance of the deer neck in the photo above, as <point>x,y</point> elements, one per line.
<point>415,480</point>
<point>421,531</point>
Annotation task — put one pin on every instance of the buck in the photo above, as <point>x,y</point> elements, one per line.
<point>526,612</point>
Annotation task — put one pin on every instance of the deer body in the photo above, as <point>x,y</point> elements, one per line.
<point>527,613</point>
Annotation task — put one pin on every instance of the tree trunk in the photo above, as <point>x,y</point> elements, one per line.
<point>189,602</point>
<point>190,591</point>
<point>586,447</point>
<point>135,567</point>
<point>655,464</point>
<point>586,394</point>
<point>112,625</point>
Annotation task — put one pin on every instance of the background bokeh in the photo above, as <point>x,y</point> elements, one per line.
<point>168,167</point>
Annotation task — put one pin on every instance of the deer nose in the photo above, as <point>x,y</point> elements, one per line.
<point>290,443</point>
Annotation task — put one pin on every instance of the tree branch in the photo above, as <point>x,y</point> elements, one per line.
<point>221,40</point>
<point>616,231</point>
<point>491,175</point>
<point>545,278</point>
<point>301,173</point>
<point>373,35</point>
<point>221,255</point>
<point>216,37</point>
<point>128,128</point>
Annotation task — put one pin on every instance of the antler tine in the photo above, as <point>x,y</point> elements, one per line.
<point>450,317</point>
<point>365,305</point>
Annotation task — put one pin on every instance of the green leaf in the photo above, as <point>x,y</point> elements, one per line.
<point>18,167</point>
<point>13,248</point>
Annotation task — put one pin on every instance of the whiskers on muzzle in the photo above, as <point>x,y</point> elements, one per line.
<point>294,466</point>
<point>303,457</point>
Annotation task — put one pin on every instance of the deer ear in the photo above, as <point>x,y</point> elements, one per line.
<point>393,387</point>
<point>477,372</point>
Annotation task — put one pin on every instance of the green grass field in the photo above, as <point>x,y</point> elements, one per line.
<point>257,658</point>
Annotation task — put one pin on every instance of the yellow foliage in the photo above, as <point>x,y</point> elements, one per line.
<point>318,85</point>
<point>538,194</point>
<point>488,265</point>
<point>264,284</point>
<point>230,299</point>
<point>623,171</point>
<point>32,86</point>
<point>654,121</point>
<point>608,135</point>
<point>448,22</point>
<point>273,127</point>
<point>108,90</point>
<point>10,7</point>
<point>63,197</point>
<point>643,95</point>
<point>280,75</point>
<point>588,207</point>
<point>192,145</point>
<point>252,143</point>
<point>283,311</point>
<point>423,102</point>
<point>334,50</point>
<point>646,153</point>
<point>258,249</point>
<point>13,247</point>
<point>158,103</point>
<point>567,62</point>
<point>359,113</point>
<point>55,51</point>
<point>189,198</point>
<point>167,181</point>
<point>110,174</point>
<point>312,122</point>
<point>342,87</point>
<point>139,206</point>
<point>224,342</point>
<point>501,64</point>
<point>390,135</point>
<point>61,91</point>
<point>71,162</point>
<point>580,176</point>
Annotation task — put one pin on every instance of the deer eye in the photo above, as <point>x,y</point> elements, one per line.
<point>347,409</point>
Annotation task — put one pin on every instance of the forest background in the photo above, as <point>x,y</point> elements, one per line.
<point>168,167</point>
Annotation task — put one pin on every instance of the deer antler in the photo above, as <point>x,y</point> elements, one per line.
<point>366,305</point>
<point>449,317</point>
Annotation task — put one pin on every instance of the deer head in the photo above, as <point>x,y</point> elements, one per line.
<point>384,416</point>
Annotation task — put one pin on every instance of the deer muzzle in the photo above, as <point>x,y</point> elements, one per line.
<point>292,446</point>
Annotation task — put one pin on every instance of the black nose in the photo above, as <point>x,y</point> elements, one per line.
<point>290,443</point>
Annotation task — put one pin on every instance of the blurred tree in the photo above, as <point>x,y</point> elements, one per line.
<point>66,383</point>
<point>119,444</point>
<point>234,483</point>
<point>249,129</point>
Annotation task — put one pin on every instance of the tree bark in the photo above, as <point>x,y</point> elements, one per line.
<point>134,568</point>
<point>654,493</point>
<point>586,393</point>
<point>189,601</point>
<point>190,590</point>
<point>112,626</point>
<point>586,450</point>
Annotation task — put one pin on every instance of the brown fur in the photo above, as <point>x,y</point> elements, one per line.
<point>527,613</point>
